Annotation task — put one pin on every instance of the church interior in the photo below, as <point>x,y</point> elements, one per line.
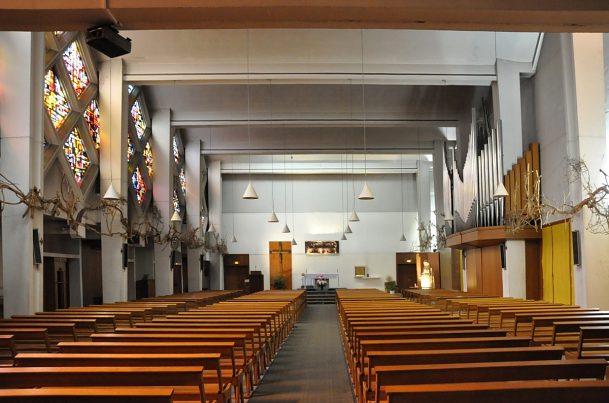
<point>325,202</point>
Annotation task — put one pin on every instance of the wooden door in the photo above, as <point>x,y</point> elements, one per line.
<point>406,270</point>
<point>55,284</point>
<point>176,265</point>
<point>236,271</point>
<point>280,262</point>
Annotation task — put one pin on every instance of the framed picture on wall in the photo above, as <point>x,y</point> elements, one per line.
<point>360,271</point>
<point>321,247</point>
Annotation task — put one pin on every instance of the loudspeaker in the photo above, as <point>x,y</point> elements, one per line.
<point>576,248</point>
<point>172,259</point>
<point>107,40</point>
<point>36,244</point>
<point>502,253</point>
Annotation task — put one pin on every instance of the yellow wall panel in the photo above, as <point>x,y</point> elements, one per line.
<point>562,263</point>
<point>546,264</point>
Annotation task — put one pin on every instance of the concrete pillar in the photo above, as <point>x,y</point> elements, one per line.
<point>508,109</point>
<point>193,208</point>
<point>113,169</point>
<point>214,186</point>
<point>592,279</point>
<point>21,161</point>
<point>514,272</point>
<point>423,192</point>
<point>438,181</point>
<point>162,189</point>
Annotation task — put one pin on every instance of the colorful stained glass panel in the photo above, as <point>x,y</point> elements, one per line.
<point>138,185</point>
<point>76,69</point>
<point>182,177</point>
<point>130,148</point>
<point>92,119</point>
<point>55,99</point>
<point>74,149</point>
<point>130,88</point>
<point>138,119</point>
<point>176,202</point>
<point>176,150</point>
<point>148,159</point>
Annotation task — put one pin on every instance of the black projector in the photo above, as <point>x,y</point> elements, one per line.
<point>108,41</point>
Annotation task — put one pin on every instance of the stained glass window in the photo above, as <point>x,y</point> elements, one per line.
<point>74,150</point>
<point>58,33</point>
<point>138,185</point>
<point>130,148</point>
<point>138,119</point>
<point>55,99</point>
<point>92,120</point>
<point>176,202</point>
<point>76,69</point>
<point>130,88</point>
<point>182,177</point>
<point>176,150</point>
<point>148,158</point>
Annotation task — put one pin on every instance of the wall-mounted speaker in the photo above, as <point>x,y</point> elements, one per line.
<point>36,244</point>
<point>576,248</point>
<point>502,253</point>
<point>125,252</point>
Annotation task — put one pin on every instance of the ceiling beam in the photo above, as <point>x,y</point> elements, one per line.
<point>493,15</point>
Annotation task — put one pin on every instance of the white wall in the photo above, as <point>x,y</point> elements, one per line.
<point>317,201</point>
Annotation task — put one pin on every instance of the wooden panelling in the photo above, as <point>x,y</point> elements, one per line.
<point>474,274</point>
<point>280,262</point>
<point>492,283</point>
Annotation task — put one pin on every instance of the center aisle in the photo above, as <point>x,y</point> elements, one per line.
<point>310,366</point>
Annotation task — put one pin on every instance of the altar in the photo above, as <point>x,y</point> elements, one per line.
<point>308,279</point>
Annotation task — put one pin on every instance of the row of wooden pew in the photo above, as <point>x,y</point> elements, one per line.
<point>208,346</point>
<point>401,350</point>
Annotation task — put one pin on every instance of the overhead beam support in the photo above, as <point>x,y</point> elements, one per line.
<point>494,15</point>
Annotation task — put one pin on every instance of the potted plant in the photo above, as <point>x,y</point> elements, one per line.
<point>390,284</point>
<point>279,283</point>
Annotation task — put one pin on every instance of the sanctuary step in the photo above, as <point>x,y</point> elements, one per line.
<point>321,297</point>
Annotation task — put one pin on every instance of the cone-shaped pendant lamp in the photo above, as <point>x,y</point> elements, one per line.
<point>273,217</point>
<point>403,238</point>
<point>501,192</point>
<point>250,192</point>
<point>294,242</point>
<point>286,229</point>
<point>348,229</point>
<point>353,217</point>
<point>211,228</point>
<point>449,217</point>
<point>176,217</point>
<point>366,193</point>
<point>111,193</point>
<point>234,239</point>
<point>344,237</point>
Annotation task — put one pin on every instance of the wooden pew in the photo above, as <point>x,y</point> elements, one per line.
<point>486,372</point>
<point>186,381</point>
<point>28,339</point>
<point>7,350</point>
<point>566,334</point>
<point>212,374</point>
<point>89,395</point>
<point>593,342</point>
<point>502,392</point>
<point>56,330</point>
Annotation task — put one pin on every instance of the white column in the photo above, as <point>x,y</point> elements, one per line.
<point>591,280</point>
<point>423,192</point>
<point>113,169</point>
<point>162,189</point>
<point>21,117</point>
<point>193,208</point>
<point>514,273</point>
<point>438,180</point>
<point>508,109</point>
<point>214,186</point>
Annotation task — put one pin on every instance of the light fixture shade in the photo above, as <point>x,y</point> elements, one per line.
<point>403,238</point>
<point>366,193</point>
<point>111,193</point>
<point>449,217</point>
<point>347,229</point>
<point>501,192</point>
<point>273,217</point>
<point>344,237</point>
<point>234,239</point>
<point>353,217</point>
<point>294,242</point>
<point>176,217</point>
<point>286,229</point>
<point>250,192</point>
<point>211,228</point>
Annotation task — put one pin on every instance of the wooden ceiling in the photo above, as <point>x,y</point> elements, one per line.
<point>489,15</point>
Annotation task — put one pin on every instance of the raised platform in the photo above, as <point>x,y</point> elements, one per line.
<point>488,236</point>
<point>321,297</point>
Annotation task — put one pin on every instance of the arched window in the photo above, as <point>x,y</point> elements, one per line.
<point>140,156</point>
